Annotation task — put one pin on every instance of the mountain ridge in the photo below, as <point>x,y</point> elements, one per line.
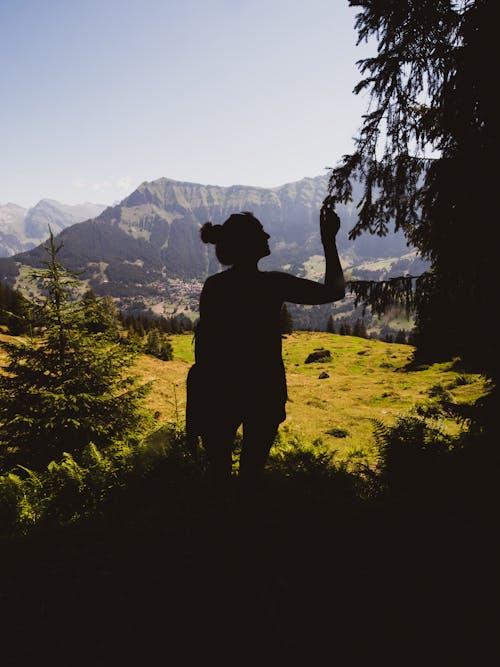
<point>24,228</point>
<point>147,246</point>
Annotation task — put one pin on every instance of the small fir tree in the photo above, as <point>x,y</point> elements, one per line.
<point>345,328</point>
<point>67,388</point>
<point>359,329</point>
<point>330,325</point>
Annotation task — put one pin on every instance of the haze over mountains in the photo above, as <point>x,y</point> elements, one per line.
<point>24,228</point>
<point>148,247</point>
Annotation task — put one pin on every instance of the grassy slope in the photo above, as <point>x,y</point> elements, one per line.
<point>315,580</point>
<point>368,379</point>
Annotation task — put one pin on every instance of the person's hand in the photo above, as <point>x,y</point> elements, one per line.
<point>329,221</point>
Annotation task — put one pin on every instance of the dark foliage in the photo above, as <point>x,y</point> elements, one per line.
<point>142,321</point>
<point>433,99</point>
<point>363,565</point>
<point>158,345</point>
<point>359,329</point>
<point>13,307</point>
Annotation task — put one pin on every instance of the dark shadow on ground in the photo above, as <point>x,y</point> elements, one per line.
<point>311,579</point>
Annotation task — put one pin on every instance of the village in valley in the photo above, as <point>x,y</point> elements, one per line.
<point>175,297</point>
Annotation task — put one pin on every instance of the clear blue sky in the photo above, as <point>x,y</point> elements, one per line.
<point>101,95</point>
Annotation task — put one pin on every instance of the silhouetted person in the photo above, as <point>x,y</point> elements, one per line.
<point>238,377</point>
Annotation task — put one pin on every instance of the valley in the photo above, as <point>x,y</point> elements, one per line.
<point>145,252</point>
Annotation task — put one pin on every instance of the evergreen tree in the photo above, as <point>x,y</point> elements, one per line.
<point>132,339</point>
<point>286,321</point>
<point>13,309</point>
<point>100,315</point>
<point>158,345</point>
<point>67,388</point>
<point>424,155</point>
<point>330,325</point>
<point>359,329</point>
<point>400,337</point>
<point>345,328</point>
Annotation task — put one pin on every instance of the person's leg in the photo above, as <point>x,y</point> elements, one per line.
<point>255,446</point>
<point>218,444</point>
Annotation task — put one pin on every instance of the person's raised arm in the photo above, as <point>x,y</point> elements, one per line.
<point>329,223</point>
<point>301,290</point>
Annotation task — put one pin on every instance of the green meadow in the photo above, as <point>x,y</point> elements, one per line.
<point>367,380</point>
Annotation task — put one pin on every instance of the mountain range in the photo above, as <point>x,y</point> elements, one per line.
<point>24,228</point>
<point>147,248</point>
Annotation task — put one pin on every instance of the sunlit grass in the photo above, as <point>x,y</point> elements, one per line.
<point>368,379</point>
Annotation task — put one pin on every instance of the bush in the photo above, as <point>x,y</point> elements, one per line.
<point>158,345</point>
<point>412,457</point>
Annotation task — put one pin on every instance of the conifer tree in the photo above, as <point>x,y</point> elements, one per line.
<point>400,337</point>
<point>66,388</point>
<point>158,345</point>
<point>359,329</point>
<point>100,315</point>
<point>345,328</point>
<point>424,157</point>
<point>330,325</point>
<point>13,306</point>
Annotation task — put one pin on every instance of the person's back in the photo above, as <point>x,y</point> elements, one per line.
<point>238,344</point>
<point>239,323</point>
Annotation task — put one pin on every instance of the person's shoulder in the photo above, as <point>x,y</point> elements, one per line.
<point>215,278</point>
<point>215,284</point>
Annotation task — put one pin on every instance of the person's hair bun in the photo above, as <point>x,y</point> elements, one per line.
<point>210,233</point>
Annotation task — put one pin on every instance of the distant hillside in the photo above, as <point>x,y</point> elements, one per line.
<point>22,229</point>
<point>147,248</point>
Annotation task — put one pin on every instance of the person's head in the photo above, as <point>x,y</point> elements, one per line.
<point>240,239</point>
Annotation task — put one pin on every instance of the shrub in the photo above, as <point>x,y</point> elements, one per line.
<point>411,456</point>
